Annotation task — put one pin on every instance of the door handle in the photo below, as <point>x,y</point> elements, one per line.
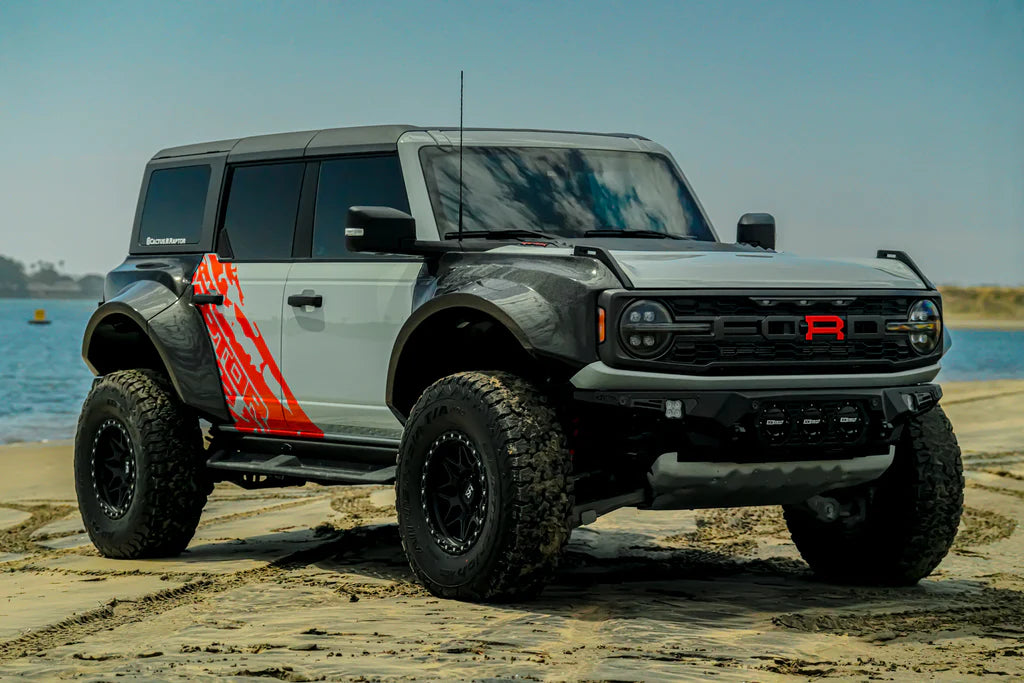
<point>299,300</point>
<point>204,299</point>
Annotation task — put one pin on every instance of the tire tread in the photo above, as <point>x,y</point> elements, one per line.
<point>910,525</point>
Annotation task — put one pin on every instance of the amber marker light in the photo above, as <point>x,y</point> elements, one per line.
<point>600,325</point>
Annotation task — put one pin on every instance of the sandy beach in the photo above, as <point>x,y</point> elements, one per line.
<point>310,584</point>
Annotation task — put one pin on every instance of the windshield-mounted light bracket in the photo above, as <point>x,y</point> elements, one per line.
<point>607,259</point>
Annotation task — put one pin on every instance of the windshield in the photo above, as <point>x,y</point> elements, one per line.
<point>563,192</point>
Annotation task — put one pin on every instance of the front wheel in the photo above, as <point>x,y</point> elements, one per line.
<point>897,529</point>
<point>138,466</point>
<point>483,488</point>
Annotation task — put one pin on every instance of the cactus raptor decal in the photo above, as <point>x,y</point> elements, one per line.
<point>257,396</point>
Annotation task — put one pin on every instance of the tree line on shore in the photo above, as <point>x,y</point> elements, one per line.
<point>995,303</point>
<point>43,279</point>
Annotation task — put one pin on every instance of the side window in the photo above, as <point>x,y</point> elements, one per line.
<point>173,209</point>
<point>355,181</point>
<point>259,220</point>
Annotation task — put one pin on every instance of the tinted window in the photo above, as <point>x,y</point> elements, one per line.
<point>358,181</point>
<point>175,200</point>
<point>259,220</point>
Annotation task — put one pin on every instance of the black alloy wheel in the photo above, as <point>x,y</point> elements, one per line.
<point>453,491</point>
<point>113,468</point>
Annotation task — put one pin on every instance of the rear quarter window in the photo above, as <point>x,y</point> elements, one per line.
<point>262,207</point>
<point>173,210</point>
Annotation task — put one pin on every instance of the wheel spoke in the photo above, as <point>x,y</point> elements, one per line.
<point>452,501</point>
<point>448,488</point>
<point>452,471</point>
<point>465,460</point>
<point>455,512</point>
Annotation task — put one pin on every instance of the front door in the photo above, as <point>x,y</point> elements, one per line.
<point>336,348</point>
<point>336,354</point>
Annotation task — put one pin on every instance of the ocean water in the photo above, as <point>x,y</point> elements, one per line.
<point>983,354</point>
<point>43,380</point>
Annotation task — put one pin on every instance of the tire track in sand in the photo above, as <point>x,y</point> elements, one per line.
<point>17,538</point>
<point>334,541</point>
<point>119,613</point>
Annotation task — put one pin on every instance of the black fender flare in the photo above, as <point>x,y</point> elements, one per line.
<point>176,329</point>
<point>528,332</point>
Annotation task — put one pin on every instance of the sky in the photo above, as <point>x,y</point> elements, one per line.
<point>859,125</point>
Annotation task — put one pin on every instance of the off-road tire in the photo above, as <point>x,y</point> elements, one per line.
<point>526,523</point>
<point>170,486</point>
<point>910,514</point>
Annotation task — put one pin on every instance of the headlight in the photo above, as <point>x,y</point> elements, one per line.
<point>925,326</point>
<point>639,329</point>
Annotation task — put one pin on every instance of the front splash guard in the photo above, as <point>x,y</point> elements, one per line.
<point>681,485</point>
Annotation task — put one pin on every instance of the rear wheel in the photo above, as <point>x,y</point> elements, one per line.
<point>483,488</point>
<point>138,466</point>
<point>897,529</point>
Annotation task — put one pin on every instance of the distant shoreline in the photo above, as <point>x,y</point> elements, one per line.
<point>1006,325</point>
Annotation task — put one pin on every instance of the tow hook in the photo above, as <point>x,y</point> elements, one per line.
<point>826,509</point>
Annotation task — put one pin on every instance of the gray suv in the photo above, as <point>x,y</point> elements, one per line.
<point>523,330</point>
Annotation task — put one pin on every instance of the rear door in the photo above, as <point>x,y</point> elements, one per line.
<point>254,254</point>
<point>336,354</point>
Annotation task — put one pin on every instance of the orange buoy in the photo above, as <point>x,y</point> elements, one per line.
<point>40,318</point>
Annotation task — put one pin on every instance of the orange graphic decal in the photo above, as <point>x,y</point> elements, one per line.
<point>248,373</point>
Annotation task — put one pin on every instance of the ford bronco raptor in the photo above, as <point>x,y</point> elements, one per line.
<point>523,330</point>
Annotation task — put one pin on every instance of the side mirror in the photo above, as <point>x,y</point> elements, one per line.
<point>380,229</point>
<point>757,230</point>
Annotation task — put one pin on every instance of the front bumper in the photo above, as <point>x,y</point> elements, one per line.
<point>768,425</point>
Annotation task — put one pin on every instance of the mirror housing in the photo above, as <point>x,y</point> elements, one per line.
<point>380,229</point>
<point>757,230</point>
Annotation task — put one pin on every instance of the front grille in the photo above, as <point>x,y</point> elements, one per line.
<point>754,334</point>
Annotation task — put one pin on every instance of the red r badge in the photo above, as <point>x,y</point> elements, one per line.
<point>824,324</point>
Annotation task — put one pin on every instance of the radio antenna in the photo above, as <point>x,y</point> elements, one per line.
<point>461,93</point>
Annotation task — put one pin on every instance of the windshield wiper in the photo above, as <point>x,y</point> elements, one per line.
<point>651,234</point>
<point>496,234</point>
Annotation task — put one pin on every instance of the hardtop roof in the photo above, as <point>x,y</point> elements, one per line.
<point>330,141</point>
